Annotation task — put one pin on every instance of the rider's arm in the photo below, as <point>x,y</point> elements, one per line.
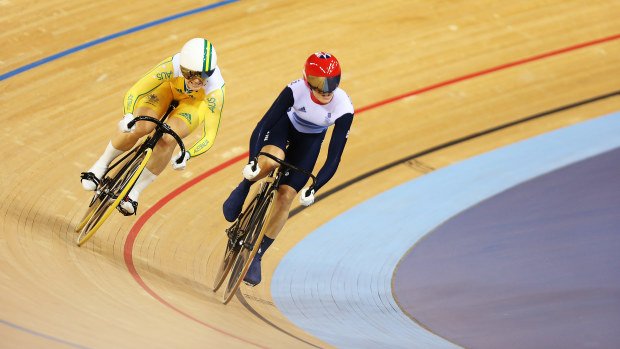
<point>212,108</point>
<point>161,73</point>
<point>335,150</point>
<point>277,111</point>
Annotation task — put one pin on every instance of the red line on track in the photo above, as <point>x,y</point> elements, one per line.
<point>135,229</point>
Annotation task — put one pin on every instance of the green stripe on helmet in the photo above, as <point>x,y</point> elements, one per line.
<point>210,56</point>
<point>204,56</point>
<point>207,57</point>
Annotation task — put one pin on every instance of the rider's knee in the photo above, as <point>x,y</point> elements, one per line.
<point>167,141</point>
<point>286,194</point>
<point>266,164</point>
<point>142,128</point>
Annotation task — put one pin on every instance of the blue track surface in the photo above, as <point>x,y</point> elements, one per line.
<point>344,295</point>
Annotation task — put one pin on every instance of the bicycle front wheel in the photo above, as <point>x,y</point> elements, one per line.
<point>92,207</point>
<point>111,195</point>
<point>249,245</point>
<point>235,236</point>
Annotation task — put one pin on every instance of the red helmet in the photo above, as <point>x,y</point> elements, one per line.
<point>322,72</point>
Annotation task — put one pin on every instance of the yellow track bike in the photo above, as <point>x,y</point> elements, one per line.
<point>246,233</point>
<point>120,178</point>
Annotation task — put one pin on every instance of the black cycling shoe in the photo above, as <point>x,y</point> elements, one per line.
<point>253,276</point>
<point>233,205</point>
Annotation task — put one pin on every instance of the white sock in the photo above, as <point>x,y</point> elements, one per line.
<point>101,165</point>
<point>147,177</point>
<point>108,155</point>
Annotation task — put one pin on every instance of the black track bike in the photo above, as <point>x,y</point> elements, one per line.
<point>121,177</point>
<point>247,231</point>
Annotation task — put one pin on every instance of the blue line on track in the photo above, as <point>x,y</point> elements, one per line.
<point>112,36</point>
<point>42,335</point>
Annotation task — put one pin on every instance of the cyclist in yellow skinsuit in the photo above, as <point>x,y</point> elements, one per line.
<point>191,79</point>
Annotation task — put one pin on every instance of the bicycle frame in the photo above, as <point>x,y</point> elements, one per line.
<point>161,128</point>
<point>272,181</point>
<point>276,173</point>
<point>249,228</point>
<point>113,187</point>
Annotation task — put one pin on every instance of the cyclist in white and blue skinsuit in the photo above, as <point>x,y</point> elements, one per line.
<point>293,129</point>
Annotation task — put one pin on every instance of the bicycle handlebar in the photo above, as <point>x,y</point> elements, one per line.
<point>285,164</point>
<point>165,128</point>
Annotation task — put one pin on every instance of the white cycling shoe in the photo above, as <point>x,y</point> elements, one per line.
<point>91,179</point>
<point>127,206</point>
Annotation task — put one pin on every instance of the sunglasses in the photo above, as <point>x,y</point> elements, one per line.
<point>323,85</point>
<point>192,74</point>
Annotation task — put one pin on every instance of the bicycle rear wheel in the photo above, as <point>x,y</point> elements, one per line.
<point>249,245</point>
<point>110,195</point>
<point>235,235</point>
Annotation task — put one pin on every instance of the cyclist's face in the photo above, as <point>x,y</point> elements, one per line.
<point>323,97</point>
<point>194,84</point>
<point>195,80</point>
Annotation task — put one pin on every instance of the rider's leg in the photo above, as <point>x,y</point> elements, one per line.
<point>278,218</point>
<point>125,141</point>
<point>279,213</point>
<point>119,143</point>
<point>155,104</point>
<point>162,153</point>
<point>273,138</point>
<point>233,205</point>
<point>302,152</point>
<point>266,164</point>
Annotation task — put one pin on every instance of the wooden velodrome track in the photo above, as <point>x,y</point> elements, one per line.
<point>420,74</point>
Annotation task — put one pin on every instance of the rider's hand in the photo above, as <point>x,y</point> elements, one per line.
<point>307,196</point>
<point>122,125</point>
<point>250,173</point>
<point>183,164</point>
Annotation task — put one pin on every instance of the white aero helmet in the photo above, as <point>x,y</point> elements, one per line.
<point>198,59</point>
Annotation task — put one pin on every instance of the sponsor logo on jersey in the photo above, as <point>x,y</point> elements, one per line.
<point>129,102</point>
<point>187,117</point>
<point>201,146</point>
<point>212,104</point>
<point>266,136</point>
<point>163,76</point>
<point>152,99</point>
